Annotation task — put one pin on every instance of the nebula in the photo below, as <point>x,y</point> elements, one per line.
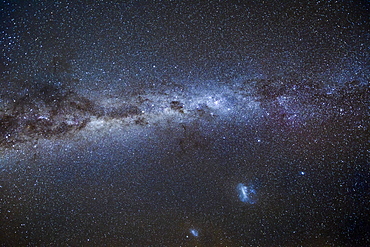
<point>247,194</point>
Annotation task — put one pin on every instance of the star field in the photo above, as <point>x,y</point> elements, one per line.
<point>184,123</point>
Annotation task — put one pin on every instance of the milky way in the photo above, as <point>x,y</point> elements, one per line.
<point>172,123</point>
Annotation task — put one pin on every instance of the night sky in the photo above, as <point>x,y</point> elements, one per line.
<point>184,123</point>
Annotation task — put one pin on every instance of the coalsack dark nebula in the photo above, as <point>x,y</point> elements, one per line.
<point>178,123</point>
